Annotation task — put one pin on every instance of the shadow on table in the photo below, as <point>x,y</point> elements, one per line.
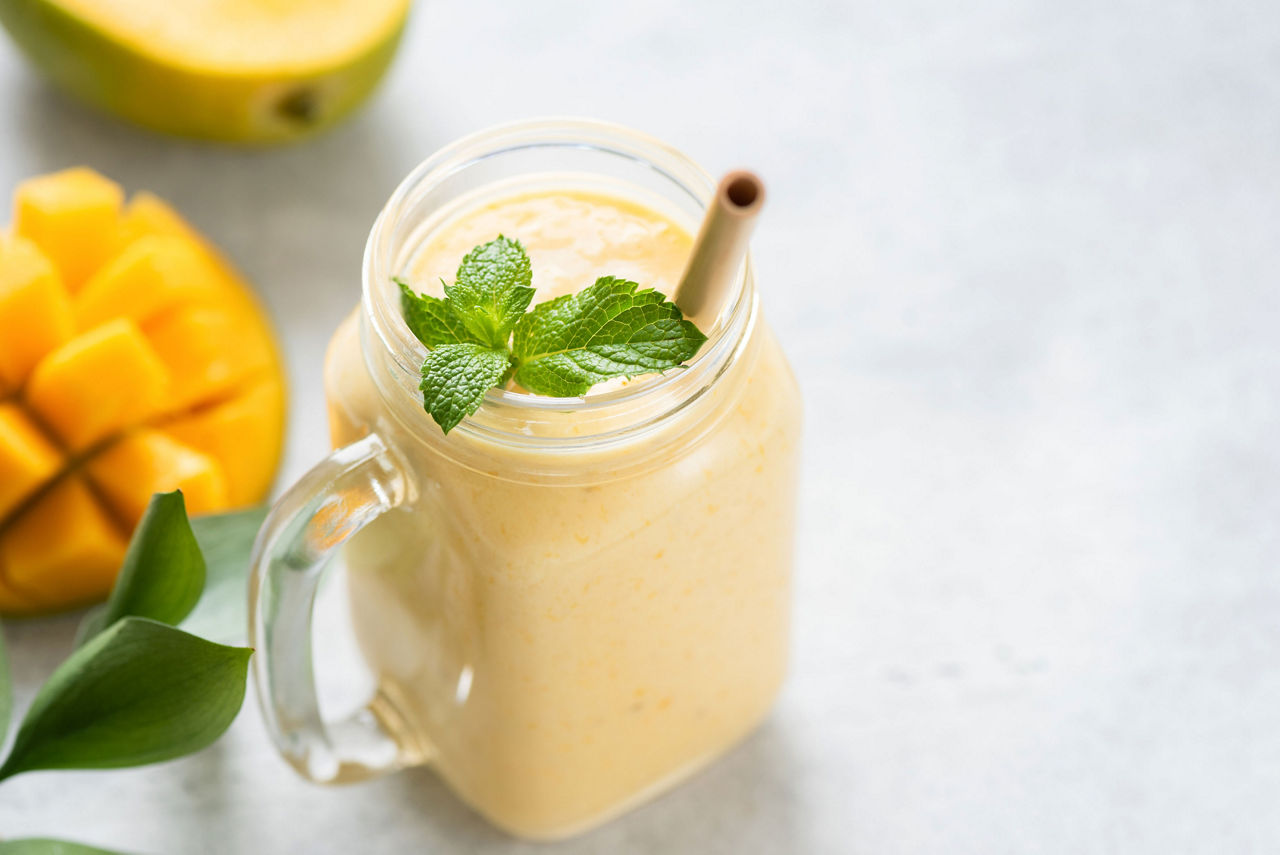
<point>744,802</point>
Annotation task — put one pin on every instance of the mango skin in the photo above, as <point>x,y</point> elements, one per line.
<point>234,108</point>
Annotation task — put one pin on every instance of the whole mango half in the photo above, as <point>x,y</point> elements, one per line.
<point>133,360</point>
<point>231,70</point>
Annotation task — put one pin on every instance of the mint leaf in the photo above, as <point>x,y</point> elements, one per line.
<point>431,319</point>
<point>138,692</point>
<point>610,329</point>
<point>163,572</point>
<point>455,378</point>
<point>492,290</point>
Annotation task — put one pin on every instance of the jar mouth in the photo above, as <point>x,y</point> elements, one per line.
<point>513,417</point>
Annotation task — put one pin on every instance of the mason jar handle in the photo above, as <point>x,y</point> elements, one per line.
<point>345,492</point>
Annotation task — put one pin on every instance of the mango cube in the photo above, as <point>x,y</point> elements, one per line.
<point>208,353</point>
<point>151,275</point>
<point>243,434</point>
<point>27,459</point>
<point>97,384</point>
<point>145,462</point>
<point>35,310</point>
<point>73,216</point>
<point>64,550</point>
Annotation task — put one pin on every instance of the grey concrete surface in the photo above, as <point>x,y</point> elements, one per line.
<point>1025,257</point>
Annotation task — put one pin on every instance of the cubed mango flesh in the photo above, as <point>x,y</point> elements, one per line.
<point>150,275</point>
<point>209,353</point>
<point>98,384</point>
<point>133,360</point>
<point>65,549</point>
<point>28,459</point>
<point>243,434</point>
<point>147,461</point>
<point>35,310</point>
<point>73,216</point>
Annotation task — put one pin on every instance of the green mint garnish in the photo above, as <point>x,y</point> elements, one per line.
<point>492,290</point>
<point>480,334</point>
<point>609,329</point>
<point>455,378</point>
<point>432,320</point>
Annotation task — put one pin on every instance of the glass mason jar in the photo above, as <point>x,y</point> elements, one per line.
<point>567,604</point>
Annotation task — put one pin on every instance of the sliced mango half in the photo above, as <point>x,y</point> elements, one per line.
<point>234,70</point>
<point>158,371</point>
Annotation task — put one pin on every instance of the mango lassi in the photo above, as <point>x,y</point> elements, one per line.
<point>567,604</point>
<point>560,651</point>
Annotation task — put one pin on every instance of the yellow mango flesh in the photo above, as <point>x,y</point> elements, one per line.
<point>72,216</point>
<point>64,550</point>
<point>28,459</point>
<point>98,384</point>
<point>150,275</point>
<point>242,433</point>
<point>35,311</point>
<point>148,215</point>
<point>158,371</point>
<point>209,353</point>
<point>245,36</point>
<point>147,461</point>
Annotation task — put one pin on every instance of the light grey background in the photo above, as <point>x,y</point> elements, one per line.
<point>1024,258</point>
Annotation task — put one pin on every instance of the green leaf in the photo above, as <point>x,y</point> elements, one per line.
<point>610,329</point>
<point>455,378</point>
<point>139,692</point>
<point>227,542</point>
<point>432,319</point>
<point>45,846</point>
<point>562,347</point>
<point>492,290</point>
<point>163,571</point>
<point>6,690</point>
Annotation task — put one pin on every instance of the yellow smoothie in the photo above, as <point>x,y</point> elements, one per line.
<point>562,634</point>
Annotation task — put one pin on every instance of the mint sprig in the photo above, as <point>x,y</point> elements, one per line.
<point>480,335</point>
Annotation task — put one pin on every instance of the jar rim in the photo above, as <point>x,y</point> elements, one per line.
<point>504,412</point>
